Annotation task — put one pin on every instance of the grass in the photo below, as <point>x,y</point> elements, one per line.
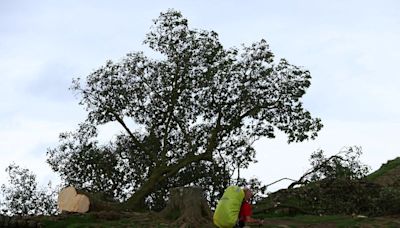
<point>391,164</point>
<point>86,221</point>
<point>70,221</point>
<point>340,221</point>
<point>89,221</point>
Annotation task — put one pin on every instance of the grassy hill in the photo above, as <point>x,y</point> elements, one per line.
<point>388,174</point>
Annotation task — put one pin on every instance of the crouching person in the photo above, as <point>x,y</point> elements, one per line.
<point>234,209</point>
<point>246,210</point>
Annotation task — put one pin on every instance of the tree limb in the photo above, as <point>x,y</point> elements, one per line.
<point>186,135</point>
<point>134,139</point>
<point>301,180</point>
<point>212,142</point>
<point>173,169</point>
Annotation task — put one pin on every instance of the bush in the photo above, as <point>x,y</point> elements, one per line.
<point>24,197</point>
<point>388,202</point>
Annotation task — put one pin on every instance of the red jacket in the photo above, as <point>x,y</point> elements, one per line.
<point>245,211</point>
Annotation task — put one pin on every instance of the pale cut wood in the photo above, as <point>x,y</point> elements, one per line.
<point>81,203</point>
<point>69,200</point>
<point>65,197</point>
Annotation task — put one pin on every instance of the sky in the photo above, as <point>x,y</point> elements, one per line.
<point>351,48</point>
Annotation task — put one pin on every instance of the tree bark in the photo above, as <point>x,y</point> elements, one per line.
<point>188,207</point>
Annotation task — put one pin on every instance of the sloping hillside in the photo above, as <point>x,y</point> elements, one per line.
<point>388,174</point>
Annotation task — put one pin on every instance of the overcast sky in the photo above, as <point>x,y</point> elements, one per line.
<point>351,48</point>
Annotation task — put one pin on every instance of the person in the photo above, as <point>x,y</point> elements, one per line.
<point>226,213</point>
<point>246,211</point>
<point>234,209</point>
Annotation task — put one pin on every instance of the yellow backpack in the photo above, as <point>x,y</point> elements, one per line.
<point>227,212</point>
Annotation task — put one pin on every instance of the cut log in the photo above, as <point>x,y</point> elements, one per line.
<point>188,207</point>
<point>69,200</point>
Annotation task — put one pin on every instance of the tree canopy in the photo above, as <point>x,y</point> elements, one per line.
<point>23,196</point>
<point>186,117</point>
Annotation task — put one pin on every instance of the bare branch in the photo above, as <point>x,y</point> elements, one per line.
<point>302,181</point>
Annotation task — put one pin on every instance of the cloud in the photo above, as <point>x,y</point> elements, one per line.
<point>52,83</point>
<point>24,141</point>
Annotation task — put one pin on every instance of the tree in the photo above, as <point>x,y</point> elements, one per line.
<point>24,197</point>
<point>200,107</point>
<point>344,165</point>
<point>333,185</point>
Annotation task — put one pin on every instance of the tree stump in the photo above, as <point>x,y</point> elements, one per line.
<point>188,207</point>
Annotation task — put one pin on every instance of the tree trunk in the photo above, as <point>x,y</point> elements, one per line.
<point>69,200</point>
<point>75,200</point>
<point>136,201</point>
<point>188,207</point>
